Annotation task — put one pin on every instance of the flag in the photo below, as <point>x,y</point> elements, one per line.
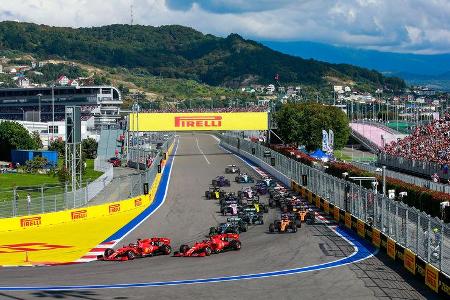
<point>325,141</point>
<point>330,140</point>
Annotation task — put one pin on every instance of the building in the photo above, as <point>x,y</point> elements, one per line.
<point>101,102</point>
<point>23,82</point>
<point>73,83</point>
<point>63,80</point>
<point>270,89</point>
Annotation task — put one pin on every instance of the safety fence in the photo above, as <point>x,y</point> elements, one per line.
<point>435,186</point>
<point>51,198</point>
<point>427,238</point>
<point>422,168</point>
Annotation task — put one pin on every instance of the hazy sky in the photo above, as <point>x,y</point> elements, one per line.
<point>417,26</point>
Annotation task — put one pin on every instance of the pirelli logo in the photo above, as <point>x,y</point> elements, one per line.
<point>137,202</point>
<point>198,121</point>
<point>79,214</point>
<point>113,208</point>
<point>30,222</point>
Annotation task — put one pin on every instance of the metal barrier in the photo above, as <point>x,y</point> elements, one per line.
<point>45,199</point>
<point>435,186</point>
<point>423,168</point>
<point>428,237</point>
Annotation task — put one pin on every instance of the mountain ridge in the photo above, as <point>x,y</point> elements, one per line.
<point>175,51</point>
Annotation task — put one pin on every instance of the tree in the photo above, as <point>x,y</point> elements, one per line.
<point>14,136</point>
<point>37,163</point>
<point>302,124</point>
<point>89,148</point>
<point>59,146</point>
<point>37,139</point>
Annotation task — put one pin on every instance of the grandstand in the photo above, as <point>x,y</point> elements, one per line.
<point>35,104</point>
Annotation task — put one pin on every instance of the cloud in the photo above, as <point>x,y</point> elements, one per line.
<point>229,6</point>
<point>414,26</point>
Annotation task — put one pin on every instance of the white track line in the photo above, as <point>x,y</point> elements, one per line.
<point>201,151</point>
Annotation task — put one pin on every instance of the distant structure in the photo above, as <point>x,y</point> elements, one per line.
<point>100,102</point>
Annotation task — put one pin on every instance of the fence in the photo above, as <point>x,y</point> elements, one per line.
<point>428,237</point>
<point>439,187</point>
<point>422,168</point>
<point>51,198</point>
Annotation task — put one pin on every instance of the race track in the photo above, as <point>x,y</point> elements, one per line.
<point>186,217</point>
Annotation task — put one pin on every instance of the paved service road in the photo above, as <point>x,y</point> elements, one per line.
<point>186,216</point>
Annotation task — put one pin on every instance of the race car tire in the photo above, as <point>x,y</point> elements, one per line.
<point>214,182</point>
<point>131,255</point>
<point>207,194</point>
<point>236,245</point>
<point>271,203</point>
<point>108,252</point>
<point>184,249</point>
<point>166,249</point>
<point>208,251</point>
<point>244,227</point>
<point>261,221</point>
<point>298,223</point>
<point>271,228</point>
<point>266,209</point>
<point>293,228</point>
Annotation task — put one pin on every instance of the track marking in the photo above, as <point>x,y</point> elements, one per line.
<point>201,151</point>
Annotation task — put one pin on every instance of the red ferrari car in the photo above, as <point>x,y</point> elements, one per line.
<point>142,248</point>
<point>216,244</point>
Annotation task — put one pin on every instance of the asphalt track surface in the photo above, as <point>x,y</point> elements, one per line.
<point>186,217</point>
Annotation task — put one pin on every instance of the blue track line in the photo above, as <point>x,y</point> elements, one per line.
<point>362,251</point>
<point>158,201</point>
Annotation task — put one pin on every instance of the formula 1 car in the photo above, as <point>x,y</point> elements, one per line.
<point>286,224</point>
<point>220,181</point>
<point>251,216</point>
<point>233,225</point>
<point>216,244</point>
<point>232,169</point>
<point>269,182</point>
<point>304,215</point>
<point>258,206</point>
<point>232,209</point>
<point>214,193</point>
<point>244,178</point>
<point>142,248</point>
<point>261,188</point>
<point>230,198</point>
<point>248,193</point>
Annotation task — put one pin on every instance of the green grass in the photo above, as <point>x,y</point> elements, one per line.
<point>32,183</point>
<point>339,154</point>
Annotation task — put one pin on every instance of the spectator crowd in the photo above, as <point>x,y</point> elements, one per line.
<point>252,108</point>
<point>427,143</point>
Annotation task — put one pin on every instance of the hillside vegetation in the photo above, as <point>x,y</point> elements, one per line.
<point>181,52</point>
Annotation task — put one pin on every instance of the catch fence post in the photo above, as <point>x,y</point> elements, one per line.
<point>42,199</point>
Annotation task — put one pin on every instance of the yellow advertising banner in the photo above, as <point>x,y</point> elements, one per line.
<point>198,121</point>
<point>391,248</point>
<point>361,228</point>
<point>432,277</point>
<point>376,237</point>
<point>348,220</point>
<point>409,261</point>
<point>317,201</point>
<point>310,197</point>
<point>326,207</point>
<point>336,214</point>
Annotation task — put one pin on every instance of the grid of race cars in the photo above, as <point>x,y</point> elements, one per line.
<point>246,207</point>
